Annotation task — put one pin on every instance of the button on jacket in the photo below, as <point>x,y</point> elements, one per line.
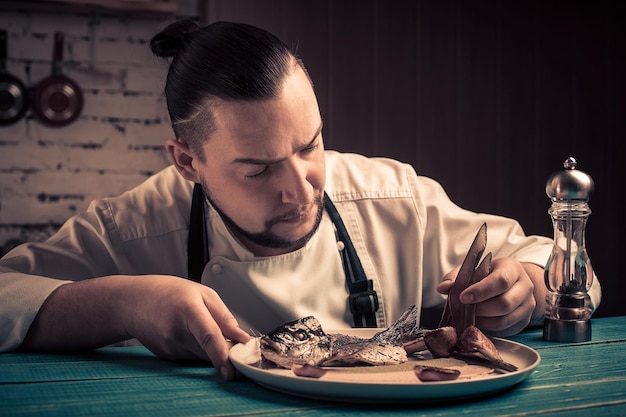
<point>405,229</point>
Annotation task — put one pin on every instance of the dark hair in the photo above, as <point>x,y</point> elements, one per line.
<point>225,61</point>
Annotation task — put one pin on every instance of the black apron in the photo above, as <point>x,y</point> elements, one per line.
<point>363,300</point>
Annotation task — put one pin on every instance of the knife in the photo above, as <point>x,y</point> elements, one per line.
<point>456,314</point>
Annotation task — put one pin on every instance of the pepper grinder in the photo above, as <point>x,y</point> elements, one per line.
<point>568,272</point>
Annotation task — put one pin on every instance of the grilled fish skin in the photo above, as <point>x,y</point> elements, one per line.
<point>353,351</point>
<point>303,342</point>
<point>403,331</point>
<point>298,342</point>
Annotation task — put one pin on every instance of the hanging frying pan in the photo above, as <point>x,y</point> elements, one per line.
<point>57,99</point>
<point>13,93</point>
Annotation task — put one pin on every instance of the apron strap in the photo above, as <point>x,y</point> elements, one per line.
<point>363,300</point>
<point>197,242</point>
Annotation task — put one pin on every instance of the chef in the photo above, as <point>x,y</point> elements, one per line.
<point>255,224</point>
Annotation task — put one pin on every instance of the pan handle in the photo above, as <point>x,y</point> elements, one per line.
<point>3,50</point>
<point>57,56</point>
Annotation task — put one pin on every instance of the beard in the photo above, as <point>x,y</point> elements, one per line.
<point>267,238</point>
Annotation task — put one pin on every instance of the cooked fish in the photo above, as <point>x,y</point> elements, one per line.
<point>303,342</point>
<point>352,351</point>
<point>298,342</point>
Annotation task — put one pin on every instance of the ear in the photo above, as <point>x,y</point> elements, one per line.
<point>183,159</point>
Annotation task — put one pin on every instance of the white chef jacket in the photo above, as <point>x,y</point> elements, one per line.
<point>405,229</point>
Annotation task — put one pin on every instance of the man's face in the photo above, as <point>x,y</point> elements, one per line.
<point>264,170</point>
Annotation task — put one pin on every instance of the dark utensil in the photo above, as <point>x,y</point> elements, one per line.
<point>14,98</point>
<point>456,314</point>
<point>57,99</point>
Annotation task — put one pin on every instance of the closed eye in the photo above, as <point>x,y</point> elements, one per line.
<point>257,174</point>
<point>310,148</point>
<point>265,166</point>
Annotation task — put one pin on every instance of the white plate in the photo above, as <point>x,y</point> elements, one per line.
<point>382,383</point>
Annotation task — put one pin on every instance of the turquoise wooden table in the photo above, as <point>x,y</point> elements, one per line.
<point>583,379</point>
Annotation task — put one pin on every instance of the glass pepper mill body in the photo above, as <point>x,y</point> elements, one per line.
<point>568,272</point>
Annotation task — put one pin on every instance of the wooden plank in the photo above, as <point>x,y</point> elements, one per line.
<point>606,225</point>
<point>572,379</point>
<point>305,27</point>
<point>351,93</point>
<point>265,14</point>
<point>107,363</point>
<point>561,384</point>
<point>603,330</point>
<point>164,395</point>
<point>116,7</point>
<point>519,196</point>
<point>395,75</point>
<point>436,90</point>
<point>477,132</point>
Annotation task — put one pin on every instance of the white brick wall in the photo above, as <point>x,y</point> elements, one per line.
<point>47,174</point>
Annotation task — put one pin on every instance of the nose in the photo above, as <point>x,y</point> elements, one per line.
<point>295,186</point>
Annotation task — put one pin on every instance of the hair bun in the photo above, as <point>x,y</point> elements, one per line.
<point>171,40</point>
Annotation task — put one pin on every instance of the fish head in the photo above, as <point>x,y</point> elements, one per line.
<point>298,342</point>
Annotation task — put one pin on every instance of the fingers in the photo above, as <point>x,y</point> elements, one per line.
<point>230,327</point>
<point>497,326</point>
<point>507,277</point>
<point>209,338</point>
<point>224,318</point>
<point>503,320</point>
<point>177,319</point>
<point>212,327</point>
<point>444,286</point>
<point>504,299</point>
<point>447,281</point>
<point>494,284</point>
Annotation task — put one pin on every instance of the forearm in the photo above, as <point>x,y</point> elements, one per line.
<point>81,315</point>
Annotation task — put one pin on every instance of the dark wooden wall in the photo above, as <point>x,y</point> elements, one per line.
<point>487,97</point>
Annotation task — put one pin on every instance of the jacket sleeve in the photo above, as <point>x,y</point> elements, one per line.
<point>29,273</point>
<point>450,230</point>
<point>143,231</point>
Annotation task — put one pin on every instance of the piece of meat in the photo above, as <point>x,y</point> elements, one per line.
<point>441,342</point>
<point>473,343</point>
<point>308,371</point>
<point>435,373</point>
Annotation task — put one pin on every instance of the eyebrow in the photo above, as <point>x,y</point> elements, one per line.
<point>258,161</point>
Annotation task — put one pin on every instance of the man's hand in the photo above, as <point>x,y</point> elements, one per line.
<point>175,318</point>
<point>507,299</point>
